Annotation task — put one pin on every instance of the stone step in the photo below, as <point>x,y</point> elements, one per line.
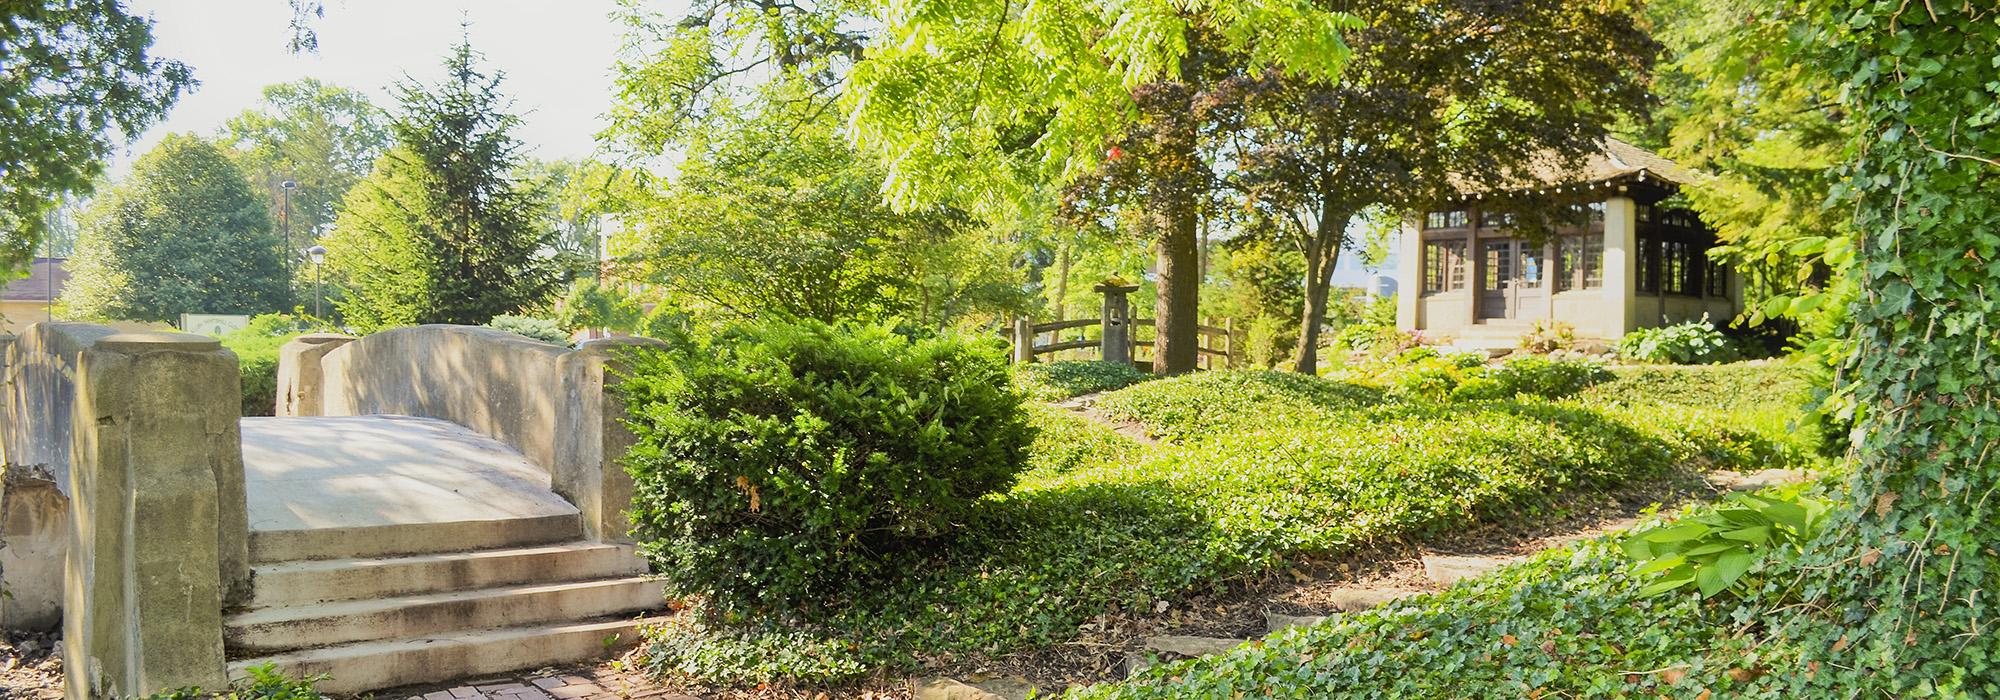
<point>283,628</point>
<point>1176,647</point>
<point>302,582</point>
<point>365,666</point>
<point>273,546</point>
<point>1445,570</point>
<point>1278,622</point>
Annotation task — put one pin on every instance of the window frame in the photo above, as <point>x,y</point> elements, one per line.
<point>1446,275</point>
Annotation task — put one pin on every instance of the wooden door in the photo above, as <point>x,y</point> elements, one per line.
<point>1514,280</point>
<point>1496,278</point>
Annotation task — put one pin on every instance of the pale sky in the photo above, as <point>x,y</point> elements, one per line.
<point>557,55</point>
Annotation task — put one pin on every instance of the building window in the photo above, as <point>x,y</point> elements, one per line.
<point>1682,263</point>
<point>1499,265</point>
<point>1645,212</point>
<point>1649,266</point>
<point>1444,265</point>
<point>1718,280</point>
<point>1495,219</point>
<point>1445,219</point>
<point>1582,260</point>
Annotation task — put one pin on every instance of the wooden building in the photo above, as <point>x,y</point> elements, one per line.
<point>1622,261</point>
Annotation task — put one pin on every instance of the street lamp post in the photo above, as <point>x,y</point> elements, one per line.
<point>288,186</point>
<point>318,255</point>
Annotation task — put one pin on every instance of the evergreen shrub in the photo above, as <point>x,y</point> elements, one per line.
<point>783,464</point>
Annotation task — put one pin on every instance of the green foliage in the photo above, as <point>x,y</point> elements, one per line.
<point>256,347</point>
<point>1401,127</point>
<point>1420,373</point>
<point>772,212</point>
<point>1055,381</point>
<point>1767,134</point>
<point>441,231</point>
<point>1712,550</point>
<point>183,234</point>
<point>1688,343</point>
<point>77,71</point>
<point>1273,466</point>
<point>1067,442</point>
<point>786,465</point>
<point>323,138</point>
<point>1206,403</point>
<point>1548,336</point>
<point>590,304</point>
<point>1570,622</point>
<point>1907,552</point>
<point>542,329</point>
<point>264,682</point>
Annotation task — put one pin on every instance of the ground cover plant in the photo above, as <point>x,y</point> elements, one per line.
<point>1581,621</point>
<point>1259,468</point>
<point>256,346</point>
<point>1054,381</point>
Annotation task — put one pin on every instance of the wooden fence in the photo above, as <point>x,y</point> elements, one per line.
<point>1117,339</point>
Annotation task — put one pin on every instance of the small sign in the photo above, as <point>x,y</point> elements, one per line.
<point>214,324</point>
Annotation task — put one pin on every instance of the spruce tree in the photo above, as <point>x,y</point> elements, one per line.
<point>443,231</point>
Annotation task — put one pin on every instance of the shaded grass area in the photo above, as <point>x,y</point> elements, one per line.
<point>1265,467</point>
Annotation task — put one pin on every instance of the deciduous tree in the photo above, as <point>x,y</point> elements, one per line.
<point>324,138</point>
<point>75,71</point>
<point>184,233</point>
<point>1439,95</point>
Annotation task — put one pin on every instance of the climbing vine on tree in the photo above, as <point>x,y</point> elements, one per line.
<point>1908,610</point>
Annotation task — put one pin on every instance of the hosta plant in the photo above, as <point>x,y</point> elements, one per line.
<point>1713,550</point>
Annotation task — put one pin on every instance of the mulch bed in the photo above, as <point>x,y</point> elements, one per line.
<point>31,666</point>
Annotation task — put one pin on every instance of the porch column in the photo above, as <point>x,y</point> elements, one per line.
<point>1621,266</point>
<point>1410,274</point>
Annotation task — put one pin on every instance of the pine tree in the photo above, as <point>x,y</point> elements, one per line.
<point>443,231</point>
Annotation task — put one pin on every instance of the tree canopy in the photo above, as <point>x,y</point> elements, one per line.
<point>77,71</point>
<point>324,138</point>
<point>443,231</point>
<point>772,213</point>
<point>1437,94</point>
<point>184,233</point>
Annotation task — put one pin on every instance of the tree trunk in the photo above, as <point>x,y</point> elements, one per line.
<point>1322,251</point>
<point>1176,328</point>
<point>1062,280</point>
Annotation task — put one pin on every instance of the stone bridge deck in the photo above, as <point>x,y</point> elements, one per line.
<point>390,550</point>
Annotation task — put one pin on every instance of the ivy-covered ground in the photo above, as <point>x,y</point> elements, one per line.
<point>1257,472</point>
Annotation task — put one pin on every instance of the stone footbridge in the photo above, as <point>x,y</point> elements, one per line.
<point>430,503</point>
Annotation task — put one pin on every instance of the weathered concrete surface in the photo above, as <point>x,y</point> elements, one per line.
<point>351,486</point>
<point>372,665</point>
<point>305,582</point>
<point>498,384</point>
<point>591,437</point>
<point>41,394</point>
<point>34,537</point>
<point>313,625</point>
<point>301,378</point>
<point>158,544</point>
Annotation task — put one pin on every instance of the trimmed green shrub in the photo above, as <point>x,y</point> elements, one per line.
<point>1055,381</point>
<point>1549,379</point>
<point>256,347</point>
<point>541,329</point>
<point>782,464</point>
<point>1690,343</point>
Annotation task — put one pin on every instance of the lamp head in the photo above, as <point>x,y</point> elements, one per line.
<point>317,253</point>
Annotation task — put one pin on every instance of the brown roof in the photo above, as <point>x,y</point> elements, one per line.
<point>1616,160</point>
<point>35,287</point>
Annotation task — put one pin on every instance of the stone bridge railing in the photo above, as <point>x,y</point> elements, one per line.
<point>123,513</point>
<point>125,448</point>
<point>545,400</point>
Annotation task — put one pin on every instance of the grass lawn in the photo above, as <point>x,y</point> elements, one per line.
<point>1257,469</point>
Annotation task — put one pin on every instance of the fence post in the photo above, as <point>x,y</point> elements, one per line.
<point>1024,341</point>
<point>1116,343</point>
<point>1229,343</point>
